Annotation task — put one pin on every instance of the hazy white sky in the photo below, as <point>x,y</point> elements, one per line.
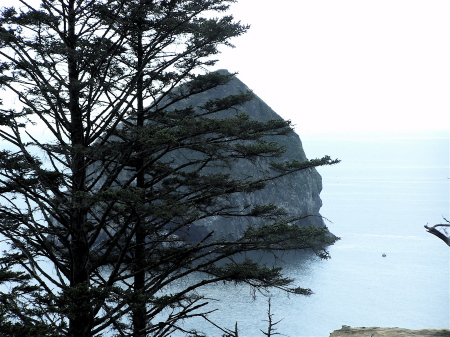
<point>347,65</point>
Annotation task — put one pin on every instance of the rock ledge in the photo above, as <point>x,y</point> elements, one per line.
<point>388,332</point>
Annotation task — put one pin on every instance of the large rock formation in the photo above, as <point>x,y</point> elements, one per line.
<point>298,193</point>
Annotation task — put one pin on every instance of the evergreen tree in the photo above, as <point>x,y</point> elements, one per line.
<point>99,209</point>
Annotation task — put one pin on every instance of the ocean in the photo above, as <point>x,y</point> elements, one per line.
<point>377,200</point>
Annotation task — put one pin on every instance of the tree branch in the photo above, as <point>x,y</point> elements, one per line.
<point>443,236</point>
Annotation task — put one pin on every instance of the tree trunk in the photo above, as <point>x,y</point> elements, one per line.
<point>139,312</point>
<point>78,297</point>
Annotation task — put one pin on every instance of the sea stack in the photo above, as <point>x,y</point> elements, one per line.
<point>298,193</point>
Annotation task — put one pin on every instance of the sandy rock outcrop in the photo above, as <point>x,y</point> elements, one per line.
<point>347,331</point>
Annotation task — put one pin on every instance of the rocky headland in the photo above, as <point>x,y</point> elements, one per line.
<point>298,194</point>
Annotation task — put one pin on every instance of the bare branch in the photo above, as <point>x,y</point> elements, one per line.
<point>444,236</point>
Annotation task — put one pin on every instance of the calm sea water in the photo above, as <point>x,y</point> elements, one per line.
<point>378,198</point>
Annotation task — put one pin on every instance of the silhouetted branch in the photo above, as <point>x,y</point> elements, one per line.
<point>271,331</point>
<point>444,236</point>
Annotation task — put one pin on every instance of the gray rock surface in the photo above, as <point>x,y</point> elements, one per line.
<point>298,193</point>
<point>347,331</point>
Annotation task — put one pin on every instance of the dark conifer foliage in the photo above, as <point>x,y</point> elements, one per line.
<point>102,181</point>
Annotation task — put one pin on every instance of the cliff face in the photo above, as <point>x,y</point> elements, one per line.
<point>298,193</point>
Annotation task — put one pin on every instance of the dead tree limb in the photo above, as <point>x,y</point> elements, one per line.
<point>444,236</point>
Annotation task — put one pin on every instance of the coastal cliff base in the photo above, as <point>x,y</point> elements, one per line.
<point>388,332</point>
